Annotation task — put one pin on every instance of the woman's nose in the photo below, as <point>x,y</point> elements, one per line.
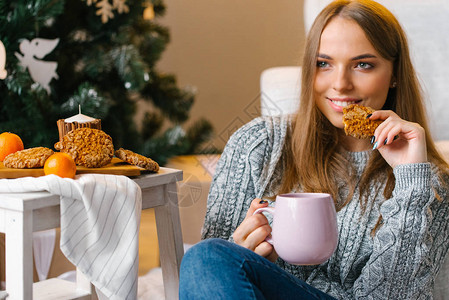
<point>342,80</point>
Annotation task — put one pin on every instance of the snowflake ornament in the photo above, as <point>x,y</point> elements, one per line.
<point>105,8</point>
<point>120,6</point>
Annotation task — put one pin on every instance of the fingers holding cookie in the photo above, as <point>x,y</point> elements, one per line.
<point>399,141</point>
<point>388,130</point>
<point>393,127</point>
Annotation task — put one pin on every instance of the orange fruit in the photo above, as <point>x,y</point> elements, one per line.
<point>60,164</point>
<point>9,143</point>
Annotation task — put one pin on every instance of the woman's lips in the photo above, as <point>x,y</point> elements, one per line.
<point>338,105</point>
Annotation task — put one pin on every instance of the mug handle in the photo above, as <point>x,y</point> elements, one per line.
<point>269,210</point>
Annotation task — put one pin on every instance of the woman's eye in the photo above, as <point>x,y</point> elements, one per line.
<point>364,65</point>
<point>322,64</point>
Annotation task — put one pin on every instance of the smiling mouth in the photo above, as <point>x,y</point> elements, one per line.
<point>344,103</point>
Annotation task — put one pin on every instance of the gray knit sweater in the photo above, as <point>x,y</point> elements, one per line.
<point>399,262</point>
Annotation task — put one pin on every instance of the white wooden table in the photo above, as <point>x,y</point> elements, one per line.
<point>23,213</point>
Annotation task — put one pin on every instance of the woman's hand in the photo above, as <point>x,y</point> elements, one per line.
<point>252,232</point>
<point>399,141</point>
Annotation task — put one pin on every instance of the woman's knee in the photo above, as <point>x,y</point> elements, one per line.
<point>204,253</point>
<point>206,257</point>
<point>209,268</point>
<point>204,250</point>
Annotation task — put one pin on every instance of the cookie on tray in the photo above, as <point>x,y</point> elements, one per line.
<point>137,160</point>
<point>28,158</point>
<point>88,147</point>
<point>356,122</point>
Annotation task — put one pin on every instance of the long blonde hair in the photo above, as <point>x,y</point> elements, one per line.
<point>313,137</point>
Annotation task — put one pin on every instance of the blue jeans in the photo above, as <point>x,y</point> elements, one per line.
<point>217,269</point>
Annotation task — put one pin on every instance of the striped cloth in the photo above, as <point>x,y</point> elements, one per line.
<point>100,219</point>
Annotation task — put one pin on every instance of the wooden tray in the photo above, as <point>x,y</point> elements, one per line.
<point>116,167</point>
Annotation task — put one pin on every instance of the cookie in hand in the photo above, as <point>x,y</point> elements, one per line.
<point>356,122</point>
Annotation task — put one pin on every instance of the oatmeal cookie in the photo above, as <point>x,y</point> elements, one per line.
<point>28,158</point>
<point>356,123</point>
<point>137,160</point>
<point>88,147</point>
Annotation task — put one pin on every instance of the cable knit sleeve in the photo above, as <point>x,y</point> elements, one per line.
<point>242,173</point>
<point>409,247</point>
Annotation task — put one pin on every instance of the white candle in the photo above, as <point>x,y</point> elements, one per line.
<point>80,118</point>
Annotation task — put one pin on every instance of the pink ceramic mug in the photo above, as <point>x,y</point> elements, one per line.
<point>304,227</point>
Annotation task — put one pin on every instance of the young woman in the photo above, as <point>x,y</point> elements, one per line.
<point>391,193</point>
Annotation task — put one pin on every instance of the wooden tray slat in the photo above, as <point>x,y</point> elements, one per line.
<point>115,167</point>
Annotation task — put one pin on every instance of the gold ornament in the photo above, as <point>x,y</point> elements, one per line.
<point>148,13</point>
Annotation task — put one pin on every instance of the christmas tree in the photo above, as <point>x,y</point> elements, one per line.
<point>100,55</point>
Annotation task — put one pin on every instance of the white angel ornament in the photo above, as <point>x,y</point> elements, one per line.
<point>3,72</point>
<point>41,71</point>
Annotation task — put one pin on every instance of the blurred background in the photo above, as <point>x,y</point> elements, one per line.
<point>222,47</point>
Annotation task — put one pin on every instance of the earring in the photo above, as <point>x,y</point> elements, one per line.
<point>394,84</point>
